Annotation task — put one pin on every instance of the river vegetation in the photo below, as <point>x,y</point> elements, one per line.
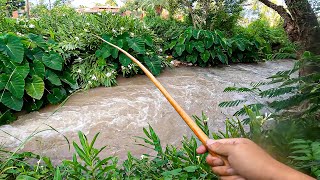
<point>54,52</point>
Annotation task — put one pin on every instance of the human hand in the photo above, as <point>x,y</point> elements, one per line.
<point>246,161</point>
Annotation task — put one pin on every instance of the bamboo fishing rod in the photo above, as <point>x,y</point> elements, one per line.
<point>187,119</point>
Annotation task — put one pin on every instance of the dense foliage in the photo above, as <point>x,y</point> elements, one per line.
<point>32,74</point>
<point>204,47</point>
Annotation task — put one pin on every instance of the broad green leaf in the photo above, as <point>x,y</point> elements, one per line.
<point>221,56</point>
<point>34,105</point>
<point>124,60</point>
<point>190,168</point>
<point>25,177</point>
<point>105,53</point>
<point>37,68</point>
<point>12,46</point>
<point>148,40</point>
<point>39,41</point>
<point>35,53</point>
<point>53,78</point>
<point>240,45</point>
<point>137,44</point>
<point>11,101</point>
<point>205,56</point>
<point>171,45</point>
<point>213,53</point>
<point>56,96</point>
<point>196,33</point>
<point>53,61</point>
<point>179,48</point>
<point>181,39</point>
<point>4,78</point>
<point>188,33</point>
<point>189,46</point>
<point>192,58</point>
<point>16,85</point>
<point>23,69</point>
<point>114,52</point>
<point>154,64</point>
<point>208,42</point>
<point>67,78</point>
<point>35,87</point>
<point>199,46</point>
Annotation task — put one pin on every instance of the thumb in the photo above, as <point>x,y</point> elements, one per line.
<point>223,149</point>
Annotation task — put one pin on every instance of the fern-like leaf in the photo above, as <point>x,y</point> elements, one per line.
<point>231,103</point>
<point>236,89</point>
<point>275,92</point>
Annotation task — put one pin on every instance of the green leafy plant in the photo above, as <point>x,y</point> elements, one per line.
<point>32,74</point>
<point>204,47</point>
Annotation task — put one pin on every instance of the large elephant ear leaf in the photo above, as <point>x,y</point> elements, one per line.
<point>124,60</point>
<point>35,87</point>
<point>4,78</point>
<point>67,78</point>
<point>37,68</point>
<point>189,46</point>
<point>180,48</point>
<point>199,46</point>
<point>137,44</point>
<point>53,78</point>
<point>39,41</point>
<point>154,65</point>
<point>148,40</point>
<point>16,85</point>
<point>11,101</point>
<point>57,95</point>
<point>205,56</point>
<point>12,46</point>
<point>53,61</point>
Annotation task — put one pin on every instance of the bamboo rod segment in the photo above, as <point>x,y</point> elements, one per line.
<point>192,125</point>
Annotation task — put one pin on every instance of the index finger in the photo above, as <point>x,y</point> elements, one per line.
<point>201,149</point>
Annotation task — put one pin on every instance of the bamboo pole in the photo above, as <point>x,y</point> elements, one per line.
<point>192,125</point>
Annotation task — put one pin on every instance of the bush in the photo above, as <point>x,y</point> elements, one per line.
<point>32,74</point>
<point>212,47</point>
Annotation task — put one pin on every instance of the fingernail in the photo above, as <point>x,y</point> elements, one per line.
<point>210,141</point>
<point>230,171</point>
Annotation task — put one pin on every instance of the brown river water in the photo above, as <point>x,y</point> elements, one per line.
<point>119,113</point>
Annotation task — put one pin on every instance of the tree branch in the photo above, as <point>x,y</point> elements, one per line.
<point>279,9</point>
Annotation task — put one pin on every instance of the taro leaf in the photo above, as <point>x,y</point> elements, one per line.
<point>23,70</point>
<point>4,78</point>
<point>189,46</point>
<point>188,33</point>
<point>171,45</point>
<point>53,78</point>
<point>39,41</point>
<point>208,42</point>
<point>67,78</point>
<point>12,46</point>
<point>16,85</point>
<point>124,60</point>
<point>221,56</point>
<point>148,40</point>
<point>192,58</point>
<point>35,53</point>
<point>11,101</point>
<point>179,48</point>
<point>105,53</point>
<point>196,33</point>
<point>35,87</point>
<point>181,39</point>
<point>199,46</point>
<point>34,105</point>
<point>154,64</point>
<point>37,68</point>
<point>224,43</point>
<point>98,53</point>
<point>205,56</point>
<point>7,117</point>
<point>213,54</point>
<point>53,61</point>
<point>114,52</point>
<point>57,95</point>
<point>137,44</point>
<point>240,45</point>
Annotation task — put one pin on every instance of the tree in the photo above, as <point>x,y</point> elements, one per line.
<point>300,23</point>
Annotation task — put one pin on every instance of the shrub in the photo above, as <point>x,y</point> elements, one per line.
<point>32,74</point>
<point>212,47</point>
